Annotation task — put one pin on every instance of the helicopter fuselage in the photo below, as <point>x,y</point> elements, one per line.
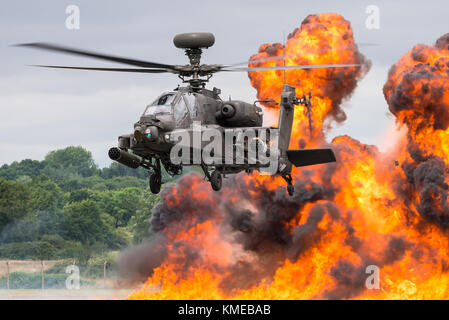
<point>188,110</point>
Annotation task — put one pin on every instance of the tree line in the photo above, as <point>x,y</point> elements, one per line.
<point>65,206</point>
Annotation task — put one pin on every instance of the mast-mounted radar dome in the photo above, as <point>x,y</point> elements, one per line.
<point>194,40</point>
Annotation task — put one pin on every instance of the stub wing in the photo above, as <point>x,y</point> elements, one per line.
<point>307,157</point>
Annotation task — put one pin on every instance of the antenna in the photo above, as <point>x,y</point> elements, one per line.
<point>309,112</point>
<point>306,102</point>
<point>283,52</point>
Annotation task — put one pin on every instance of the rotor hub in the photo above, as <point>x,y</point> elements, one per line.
<point>193,43</point>
<point>194,56</point>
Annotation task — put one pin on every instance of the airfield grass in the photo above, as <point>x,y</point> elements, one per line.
<point>64,294</point>
<point>92,286</point>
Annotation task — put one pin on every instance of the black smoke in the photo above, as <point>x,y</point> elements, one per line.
<point>416,92</point>
<point>261,229</point>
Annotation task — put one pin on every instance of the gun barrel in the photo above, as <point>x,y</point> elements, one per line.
<point>124,157</point>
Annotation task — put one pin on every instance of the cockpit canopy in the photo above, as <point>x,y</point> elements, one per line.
<point>163,104</point>
<point>180,104</point>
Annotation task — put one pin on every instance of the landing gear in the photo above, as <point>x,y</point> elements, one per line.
<point>290,188</point>
<point>216,180</point>
<point>156,178</point>
<point>155,182</point>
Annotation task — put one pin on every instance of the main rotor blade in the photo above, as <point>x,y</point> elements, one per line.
<point>259,60</point>
<point>310,66</point>
<point>133,62</point>
<point>281,57</point>
<point>107,69</point>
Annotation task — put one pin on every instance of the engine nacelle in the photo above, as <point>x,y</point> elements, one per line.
<point>239,114</point>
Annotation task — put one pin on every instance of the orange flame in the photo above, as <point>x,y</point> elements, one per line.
<point>321,39</point>
<point>251,241</point>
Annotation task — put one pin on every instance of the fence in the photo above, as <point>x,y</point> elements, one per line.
<point>51,274</point>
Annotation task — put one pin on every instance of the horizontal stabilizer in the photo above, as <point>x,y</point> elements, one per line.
<point>307,157</point>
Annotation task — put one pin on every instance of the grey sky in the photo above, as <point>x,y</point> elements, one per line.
<point>47,109</point>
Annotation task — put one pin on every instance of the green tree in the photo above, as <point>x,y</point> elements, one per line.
<point>140,222</point>
<point>93,182</point>
<point>128,201</point>
<point>46,251</point>
<point>46,195</point>
<point>64,206</point>
<point>49,222</point>
<point>117,183</point>
<point>81,221</point>
<point>23,230</point>
<point>80,194</point>
<point>116,169</point>
<point>25,167</point>
<point>69,163</point>
<point>119,204</point>
<point>15,200</point>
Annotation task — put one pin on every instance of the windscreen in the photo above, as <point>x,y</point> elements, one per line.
<point>180,110</point>
<point>161,105</point>
<point>191,104</point>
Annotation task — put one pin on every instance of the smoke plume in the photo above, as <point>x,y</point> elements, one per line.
<point>251,240</point>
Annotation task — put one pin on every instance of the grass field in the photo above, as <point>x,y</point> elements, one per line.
<point>64,294</point>
<point>96,288</point>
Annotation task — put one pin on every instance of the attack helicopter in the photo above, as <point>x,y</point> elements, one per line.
<point>151,143</point>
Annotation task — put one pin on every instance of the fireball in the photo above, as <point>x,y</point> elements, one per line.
<point>367,214</point>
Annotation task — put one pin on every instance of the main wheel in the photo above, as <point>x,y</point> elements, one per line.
<point>216,180</point>
<point>155,183</point>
